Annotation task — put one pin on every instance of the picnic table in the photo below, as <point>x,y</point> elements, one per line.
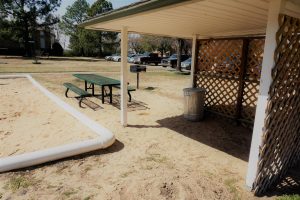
<point>102,81</point>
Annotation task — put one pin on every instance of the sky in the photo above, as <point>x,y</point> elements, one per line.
<point>116,4</point>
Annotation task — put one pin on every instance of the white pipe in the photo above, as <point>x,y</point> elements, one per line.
<point>105,140</point>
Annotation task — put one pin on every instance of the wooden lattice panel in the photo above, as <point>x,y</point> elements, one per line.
<point>252,78</point>
<point>221,94</point>
<point>221,58</point>
<point>280,147</point>
<point>218,70</point>
<point>250,95</point>
<point>229,69</point>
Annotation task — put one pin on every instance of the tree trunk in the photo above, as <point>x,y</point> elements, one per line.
<point>28,50</point>
<point>100,44</point>
<point>179,50</point>
<point>82,51</point>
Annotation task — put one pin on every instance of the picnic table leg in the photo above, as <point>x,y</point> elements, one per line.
<point>102,92</point>
<point>85,85</point>
<point>110,94</point>
<point>66,93</point>
<point>129,95</point>
<point>93,89</point>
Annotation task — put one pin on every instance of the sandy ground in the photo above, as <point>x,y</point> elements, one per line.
<point>159,155</point>
<point>29,121</point>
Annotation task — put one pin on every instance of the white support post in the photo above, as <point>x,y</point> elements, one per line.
<point>124,74</point>
<point>275,9</point>
<point>194,54</point>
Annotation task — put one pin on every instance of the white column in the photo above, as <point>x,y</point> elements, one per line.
<point>194,54</point>
<point>275,8</point>
<point>124,74</point>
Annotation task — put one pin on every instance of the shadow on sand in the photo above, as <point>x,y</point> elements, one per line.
<point>94,103</point>
<point>234,140</point>
<point>214,132</point>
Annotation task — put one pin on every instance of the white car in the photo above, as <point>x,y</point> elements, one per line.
<point>109,58</point>
<point>116,58</point>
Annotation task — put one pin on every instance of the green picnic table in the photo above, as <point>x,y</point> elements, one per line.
<point>94,79</point>
<point>102,81</point>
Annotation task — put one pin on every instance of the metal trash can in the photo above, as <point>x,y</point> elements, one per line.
<point>194,103</point>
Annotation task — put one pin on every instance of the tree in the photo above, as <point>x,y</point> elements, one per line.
<point>156,43</point>
<point>149,43</point>
<point>135,43</point>
<point>6,32</point>
<point>28,15</point>
<point>87,42</point>
<point>100,6</point>
<point>165,45</point>
<point>179,51</point>
<point>75,14</point>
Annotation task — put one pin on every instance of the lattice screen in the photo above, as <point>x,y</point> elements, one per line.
<point>281,137</point>
<point>251,78</point>
<point>229,69</point>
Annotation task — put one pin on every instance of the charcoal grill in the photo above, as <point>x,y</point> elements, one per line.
<point>137,69</point>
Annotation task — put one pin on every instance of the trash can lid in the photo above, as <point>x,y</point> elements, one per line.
<point>194,90</point>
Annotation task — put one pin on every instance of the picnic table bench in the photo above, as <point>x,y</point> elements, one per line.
<point>102,81</point>
<point>129,89</point>
<point>82,93</point>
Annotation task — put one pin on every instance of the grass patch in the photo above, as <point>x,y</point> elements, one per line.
<point>289,197</point>
<point>165,73</point>
<point>51,186</point>
<point>16,183</point>
<point>230,184</point>
<point>126,174</point>
<point>69,193</point>
<point>182,73</point>
<point>147,167</point>
<point>156,158</point>
<point>61,168</point>
<point>88,197</point>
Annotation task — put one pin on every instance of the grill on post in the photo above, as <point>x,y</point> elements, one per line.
<point>137,69</point>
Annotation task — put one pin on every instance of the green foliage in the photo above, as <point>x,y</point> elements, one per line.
<point>26,16</point>
<point>149,43</point>
<point>7,34</point>
<point>87,42</point>
<point>75,14</point>
<point>100,6</point>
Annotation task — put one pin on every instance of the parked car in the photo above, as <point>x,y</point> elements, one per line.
<point>172,60</point>
<point>132,58</point>
<point>116,58</point>
<point>107,58</point>
<point>110,58</point>
<point>150,58</point>
<point>137,59</point>
<point>186,65</point>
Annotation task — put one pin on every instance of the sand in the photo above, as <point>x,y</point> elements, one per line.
<point>30,121</point>
<point>159,155</point>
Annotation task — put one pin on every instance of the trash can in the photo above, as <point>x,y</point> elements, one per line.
<point>194,103</point>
